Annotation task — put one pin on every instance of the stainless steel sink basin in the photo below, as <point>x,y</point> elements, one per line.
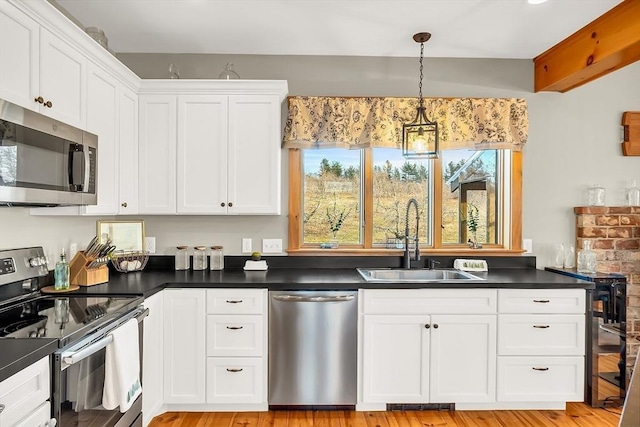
<point>395,275</point>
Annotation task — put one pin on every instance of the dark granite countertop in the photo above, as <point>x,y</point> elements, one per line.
<point>147,283</point>
<point>18,353</point>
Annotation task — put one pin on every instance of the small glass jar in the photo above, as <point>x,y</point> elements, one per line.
<point>633,195</point>
<point>200,258</point>
<point>587,259</point>
<point>217,258</point>
<point>182,257</point>
<point>596,195</point>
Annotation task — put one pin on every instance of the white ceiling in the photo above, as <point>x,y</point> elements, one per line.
<point>460,28</point>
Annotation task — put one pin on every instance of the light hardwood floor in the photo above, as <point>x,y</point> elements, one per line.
<point>576,415</point>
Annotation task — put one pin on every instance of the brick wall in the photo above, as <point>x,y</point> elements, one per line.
<point>615,238</point>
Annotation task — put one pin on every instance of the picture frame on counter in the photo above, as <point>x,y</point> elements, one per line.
<point>124,235</point>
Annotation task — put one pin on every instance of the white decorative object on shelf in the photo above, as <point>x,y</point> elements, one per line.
<point>470,264</point>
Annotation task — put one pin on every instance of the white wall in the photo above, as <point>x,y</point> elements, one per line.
<point>573,140</point>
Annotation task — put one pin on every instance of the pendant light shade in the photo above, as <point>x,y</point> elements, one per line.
<point>420,137</point>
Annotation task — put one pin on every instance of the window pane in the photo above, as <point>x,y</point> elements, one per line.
<point>395,181</point>
<point>470,181</point>
<point>331,201</point>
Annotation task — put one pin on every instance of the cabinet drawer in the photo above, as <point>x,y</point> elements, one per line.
<point>38,418</point>
<point>236,301</point>
<point>541,334</point>
<point>429,301</point>
<point>541,301</point>
<point>540,379</point>
<point>24,391</point>
<point>235,335</point>
<point>231,380</point>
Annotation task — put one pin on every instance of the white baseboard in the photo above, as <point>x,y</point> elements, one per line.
<point>513,406</point>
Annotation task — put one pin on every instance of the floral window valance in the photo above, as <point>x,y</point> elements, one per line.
<point>334,122</point>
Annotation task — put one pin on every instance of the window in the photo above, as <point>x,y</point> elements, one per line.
<point>359,199</point>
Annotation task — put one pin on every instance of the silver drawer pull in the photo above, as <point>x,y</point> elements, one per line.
<point>235,328</point>
<point>540,369</point>
<point>234,370</point>
<point>541,326</point>
<point>234,301</point>
<point>541,300</point>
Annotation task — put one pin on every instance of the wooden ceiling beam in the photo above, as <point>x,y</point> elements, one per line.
<point>610,42</point>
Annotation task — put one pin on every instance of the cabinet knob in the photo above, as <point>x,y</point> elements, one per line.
<point>124,205</point>
<point>230,204</point>
<point>427,326</point>
<point>39,100</point>
<point>1,408</point>
<point>222,204</point>
<point>435,326</point>
<point>48,104</point>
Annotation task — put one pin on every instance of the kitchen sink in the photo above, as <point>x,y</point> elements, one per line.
<point>394,275</point>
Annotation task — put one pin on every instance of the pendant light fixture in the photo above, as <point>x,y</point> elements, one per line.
<point>420,137</point>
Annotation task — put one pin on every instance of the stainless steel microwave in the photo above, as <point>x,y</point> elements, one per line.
<point>44,162</point>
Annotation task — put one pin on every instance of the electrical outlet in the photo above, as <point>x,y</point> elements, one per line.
<point>150,244</point>
<point>271,246</point>
<point>527,245</point>
<point>246,245</point>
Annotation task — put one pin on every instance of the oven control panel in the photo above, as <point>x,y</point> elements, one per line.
<point>7,266</point>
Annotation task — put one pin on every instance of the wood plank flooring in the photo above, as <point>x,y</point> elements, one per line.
<point>576,415</point>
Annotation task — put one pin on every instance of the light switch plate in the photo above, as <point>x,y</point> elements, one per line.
<point>246,245</point>
<point>527,245</point>
<point>271,246</point>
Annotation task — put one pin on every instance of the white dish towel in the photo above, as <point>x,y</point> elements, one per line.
<point>122,368</point>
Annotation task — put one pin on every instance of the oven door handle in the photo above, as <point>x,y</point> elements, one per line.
<point>76,356</point>
<point>73,357</point>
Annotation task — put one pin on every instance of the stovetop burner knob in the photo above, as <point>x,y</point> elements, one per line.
<point>33,334</point>
<point>35,262</point>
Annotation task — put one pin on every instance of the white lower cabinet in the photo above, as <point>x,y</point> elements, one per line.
<point>184,346</point>
<point>25,396</point>
<point>477,348</point>
<point>541,348</point>
<point>215,350</point>
<point>153,358</point>
<point>411,355</point>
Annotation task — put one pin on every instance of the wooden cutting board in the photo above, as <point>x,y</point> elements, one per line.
<point>631,126</point>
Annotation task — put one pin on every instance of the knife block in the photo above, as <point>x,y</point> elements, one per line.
<point>80,275</point>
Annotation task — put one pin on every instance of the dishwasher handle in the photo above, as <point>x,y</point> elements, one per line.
<point>298,298</point>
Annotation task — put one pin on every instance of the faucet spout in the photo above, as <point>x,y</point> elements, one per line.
<point>407,257</point>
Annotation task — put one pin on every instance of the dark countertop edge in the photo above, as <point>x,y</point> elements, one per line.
<point>24,352</point>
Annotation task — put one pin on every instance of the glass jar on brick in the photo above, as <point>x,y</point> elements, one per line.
<point>587,259</point>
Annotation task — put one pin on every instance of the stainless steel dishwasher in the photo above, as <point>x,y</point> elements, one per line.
<point>313,348</point>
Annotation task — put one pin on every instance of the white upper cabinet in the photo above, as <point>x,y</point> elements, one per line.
<point>128,152</point>
<point>254,154</point>
<point>63,80</point>
<point>157,151</point>
<point>210,147</point>
<point>40,71</point>
<point>202,154</point>
<point>19,67</point>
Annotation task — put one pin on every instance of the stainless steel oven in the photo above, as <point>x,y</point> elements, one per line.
<point>82,325</point>
<point>44,162</point>
<point>78,379</point>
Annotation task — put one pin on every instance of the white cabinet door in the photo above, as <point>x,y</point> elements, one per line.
<point>202,154</point>
<point>102,118</point>
<point>254,154</point>
<point>463,358</point>
<point>128,152</point>
<point>19,67</point>
<point>157,154</point>
<point>41,417</point>
<point>153,360</point>
<point>23,392</point>
<point>63,80</point>
<point>395,359</point>
<point>184,345</point>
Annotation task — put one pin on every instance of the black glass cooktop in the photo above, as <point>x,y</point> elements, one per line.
<point>65,318</point>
